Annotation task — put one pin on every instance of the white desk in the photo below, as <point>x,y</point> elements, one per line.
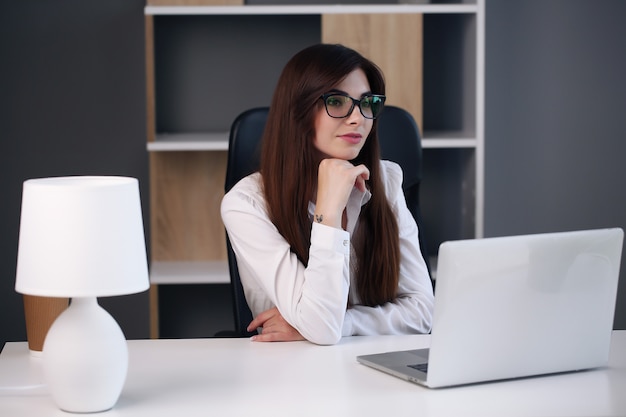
<point>236,377</point>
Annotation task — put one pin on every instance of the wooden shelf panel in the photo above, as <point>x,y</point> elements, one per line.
<point>186,191</point>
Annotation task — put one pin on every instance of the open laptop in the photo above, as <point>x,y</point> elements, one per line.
<point>516,306</point>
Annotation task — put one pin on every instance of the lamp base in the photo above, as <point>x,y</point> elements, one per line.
<point>85,358</point>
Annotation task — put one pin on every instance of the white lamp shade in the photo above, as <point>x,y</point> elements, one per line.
<point>81,237</point>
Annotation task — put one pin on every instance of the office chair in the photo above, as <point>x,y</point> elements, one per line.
<point>400,142</point>
<point>243,159</point>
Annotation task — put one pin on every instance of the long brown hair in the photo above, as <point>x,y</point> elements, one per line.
<point>289,167</point>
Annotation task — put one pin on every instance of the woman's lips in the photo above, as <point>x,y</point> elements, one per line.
<point>353,138</point>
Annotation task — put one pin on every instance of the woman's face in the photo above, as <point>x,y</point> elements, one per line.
<point>344,138</point>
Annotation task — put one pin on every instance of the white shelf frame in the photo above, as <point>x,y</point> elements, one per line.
<point>189,272</point>
<point>218,141</point>
<point>211,141</point>
<point>311,9</point>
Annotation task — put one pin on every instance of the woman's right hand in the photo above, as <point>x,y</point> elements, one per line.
<point>274,328</point>
<point>336,178</point>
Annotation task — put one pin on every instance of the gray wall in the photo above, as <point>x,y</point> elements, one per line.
<point>72,102</point>
<point>556,118</point>
<point>72,94</point>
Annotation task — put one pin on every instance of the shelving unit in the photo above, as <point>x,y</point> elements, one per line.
<point>208,63</point>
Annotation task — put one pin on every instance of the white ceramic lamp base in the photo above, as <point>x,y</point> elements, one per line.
<point>85,358</point>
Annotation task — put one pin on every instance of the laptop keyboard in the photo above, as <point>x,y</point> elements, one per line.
<point>422,367</point>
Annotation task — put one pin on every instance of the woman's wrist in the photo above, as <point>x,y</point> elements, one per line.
<point>327,219</point>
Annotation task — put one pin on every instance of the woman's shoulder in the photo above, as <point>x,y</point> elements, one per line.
<point>391,174</point>
<point>249,184</point>
<point>249,189</point>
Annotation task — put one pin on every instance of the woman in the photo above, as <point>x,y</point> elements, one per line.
<point>325,244</point>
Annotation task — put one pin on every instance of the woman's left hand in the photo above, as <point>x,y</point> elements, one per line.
<point>275,328</point>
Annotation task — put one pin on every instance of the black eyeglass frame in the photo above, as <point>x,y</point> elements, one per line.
<point>355,102</point>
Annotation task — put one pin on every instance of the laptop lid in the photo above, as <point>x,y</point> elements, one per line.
<point>526,305</point>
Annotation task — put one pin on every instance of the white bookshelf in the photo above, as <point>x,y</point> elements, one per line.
<point>190,139</point>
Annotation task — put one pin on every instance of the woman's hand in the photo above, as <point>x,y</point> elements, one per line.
<point>335,181</point>
<point>275,328</point>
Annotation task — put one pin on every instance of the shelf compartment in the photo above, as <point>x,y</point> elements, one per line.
<point>209,69</point>
<point>447,196</point>
<point>186,191</point>
<point>450,73</point>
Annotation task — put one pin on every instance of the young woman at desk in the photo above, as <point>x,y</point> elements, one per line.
<point>325,244</point>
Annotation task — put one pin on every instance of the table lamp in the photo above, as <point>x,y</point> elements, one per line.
<point>82,237</point>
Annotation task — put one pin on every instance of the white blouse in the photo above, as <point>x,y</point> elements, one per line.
<point>313,299</point>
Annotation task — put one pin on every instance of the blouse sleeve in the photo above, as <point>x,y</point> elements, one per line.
<point>411,312</point>
<point>312,299</point>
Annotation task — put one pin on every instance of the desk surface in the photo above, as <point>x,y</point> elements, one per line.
<point>236,377</point>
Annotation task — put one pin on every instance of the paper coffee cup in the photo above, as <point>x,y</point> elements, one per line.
<point>40,313</point>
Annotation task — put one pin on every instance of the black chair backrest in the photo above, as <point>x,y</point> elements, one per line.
<point>400,142</point>
<point>244,145</point>
<point>243,159</point>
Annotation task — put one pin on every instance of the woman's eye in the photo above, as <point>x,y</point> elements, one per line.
<point>334,101</point>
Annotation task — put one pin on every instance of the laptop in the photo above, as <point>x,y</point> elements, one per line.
<point>516,306</point>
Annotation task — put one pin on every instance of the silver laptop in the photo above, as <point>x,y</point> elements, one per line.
<point>516,306</point>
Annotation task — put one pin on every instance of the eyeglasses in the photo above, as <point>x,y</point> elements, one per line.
<point>340,105</point>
